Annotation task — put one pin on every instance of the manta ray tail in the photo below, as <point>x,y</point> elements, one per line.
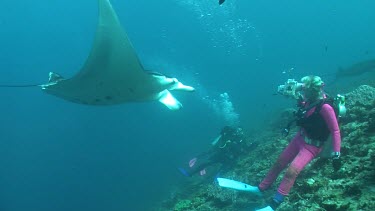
<point>53,78</point>
<point>18,86</point>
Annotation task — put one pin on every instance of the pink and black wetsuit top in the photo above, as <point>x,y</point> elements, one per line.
<point>319,122</point>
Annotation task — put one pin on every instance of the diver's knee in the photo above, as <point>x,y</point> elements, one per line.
<point>291,172</point>
<point>280,163</point>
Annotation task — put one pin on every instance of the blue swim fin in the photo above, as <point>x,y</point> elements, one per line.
<point>184,172</point>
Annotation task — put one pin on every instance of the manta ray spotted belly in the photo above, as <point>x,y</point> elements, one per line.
<point>112,73</point>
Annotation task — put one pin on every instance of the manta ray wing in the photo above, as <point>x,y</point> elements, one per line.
<point>112,73</point>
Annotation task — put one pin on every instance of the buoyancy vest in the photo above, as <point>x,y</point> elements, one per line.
<point>314,125</point>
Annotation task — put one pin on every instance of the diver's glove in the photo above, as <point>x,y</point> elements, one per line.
<point>336,162</point>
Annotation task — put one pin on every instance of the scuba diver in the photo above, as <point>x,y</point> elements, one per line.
<point>317,123</point>
<point>225,149</point>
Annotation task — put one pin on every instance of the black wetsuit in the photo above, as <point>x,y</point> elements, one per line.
<point>224,152</point>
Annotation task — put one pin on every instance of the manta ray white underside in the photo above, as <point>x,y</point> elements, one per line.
<point>113,73</point>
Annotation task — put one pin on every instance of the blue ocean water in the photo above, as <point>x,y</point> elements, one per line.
<point>55,155</point>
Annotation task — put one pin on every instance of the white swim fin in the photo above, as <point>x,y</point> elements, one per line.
<point>228,183</point>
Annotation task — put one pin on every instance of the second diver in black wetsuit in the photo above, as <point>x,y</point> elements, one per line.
<point>225,150</point>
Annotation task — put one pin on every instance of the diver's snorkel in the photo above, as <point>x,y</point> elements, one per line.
<point>291,88</point>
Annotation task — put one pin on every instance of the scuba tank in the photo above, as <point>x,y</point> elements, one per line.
<point>339,103</point>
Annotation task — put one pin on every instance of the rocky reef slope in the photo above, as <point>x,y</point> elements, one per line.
<point>318,187</point>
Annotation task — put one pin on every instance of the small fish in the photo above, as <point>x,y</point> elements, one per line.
<point>289,71</point>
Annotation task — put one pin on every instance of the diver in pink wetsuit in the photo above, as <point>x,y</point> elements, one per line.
<point>317,122</point>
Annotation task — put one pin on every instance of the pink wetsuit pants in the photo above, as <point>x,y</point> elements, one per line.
<point>298,154</point>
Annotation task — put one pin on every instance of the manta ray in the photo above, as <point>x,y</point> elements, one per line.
<point>112,73</point>
<point>356,69</point>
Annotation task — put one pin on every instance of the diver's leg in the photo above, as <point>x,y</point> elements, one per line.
<point>306,154</point>
<point>200,167</point>
<point>197,164</point>
<point>285,158</point>
<point>211,159</point>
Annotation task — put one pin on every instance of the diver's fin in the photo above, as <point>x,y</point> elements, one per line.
<point>228,183</point>
<point>221,2</point>
<point>184,172</point>
<point>268,208</point>
<point>168,100</point>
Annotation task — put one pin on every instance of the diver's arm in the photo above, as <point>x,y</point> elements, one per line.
<point>329,116</point>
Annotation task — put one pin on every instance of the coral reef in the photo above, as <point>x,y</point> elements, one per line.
<point>318,187</point>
